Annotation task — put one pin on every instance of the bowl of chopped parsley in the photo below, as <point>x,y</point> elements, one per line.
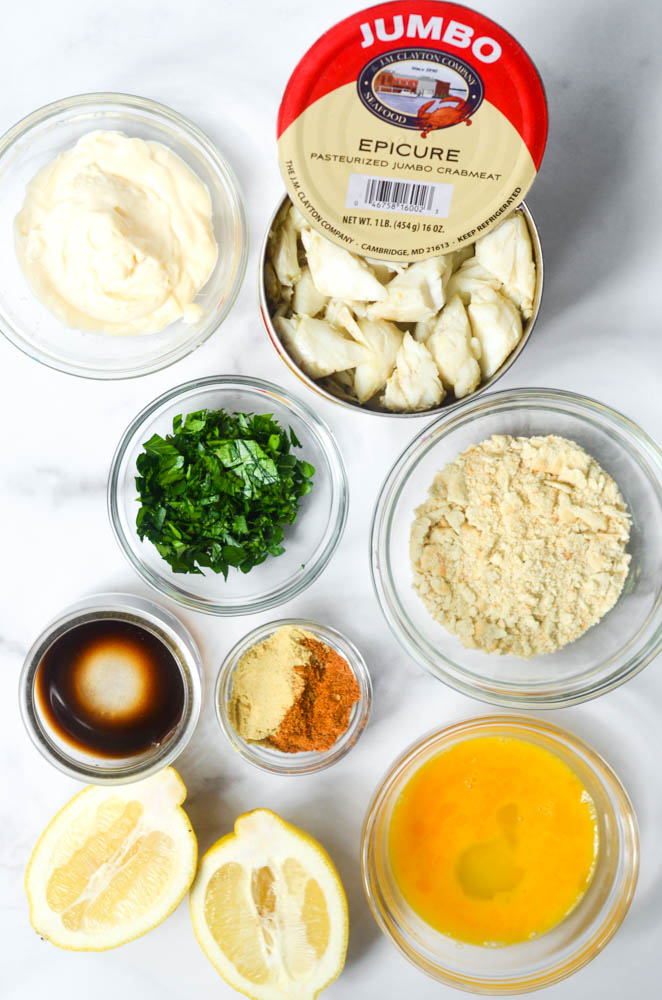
<point>228,495</point>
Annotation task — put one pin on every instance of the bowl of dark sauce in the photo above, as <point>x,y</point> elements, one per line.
<point>111,689</point>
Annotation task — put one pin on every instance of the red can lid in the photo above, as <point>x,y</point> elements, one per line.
<point>411,128</point>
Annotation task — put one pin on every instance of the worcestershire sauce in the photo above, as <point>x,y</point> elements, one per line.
<point>110,688</point>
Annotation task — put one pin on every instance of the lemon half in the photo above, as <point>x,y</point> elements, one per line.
<point>112,864</point>
<point>269,910</point>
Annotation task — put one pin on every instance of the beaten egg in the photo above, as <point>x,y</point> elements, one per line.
<point>493,841</point>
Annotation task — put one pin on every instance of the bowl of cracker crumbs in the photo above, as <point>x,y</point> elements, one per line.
<point>516,548</point>
<point>293,696</point>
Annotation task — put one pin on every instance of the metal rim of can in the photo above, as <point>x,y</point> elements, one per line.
<point>437,410</point>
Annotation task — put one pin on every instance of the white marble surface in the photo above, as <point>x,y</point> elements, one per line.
<point>598,208</point>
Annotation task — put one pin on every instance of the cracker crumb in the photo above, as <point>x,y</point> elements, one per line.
<point>520,545</point>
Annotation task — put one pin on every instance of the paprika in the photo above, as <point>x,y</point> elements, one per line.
<point>321,713</point>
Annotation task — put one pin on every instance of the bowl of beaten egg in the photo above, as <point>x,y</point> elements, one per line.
<point>125,237</point>
<point>500,855</point>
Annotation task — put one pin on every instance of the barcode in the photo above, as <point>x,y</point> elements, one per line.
<point>397,195</point>
<point>401,194</point>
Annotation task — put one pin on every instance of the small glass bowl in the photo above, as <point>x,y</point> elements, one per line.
<point>309,543</point>
<point>609,653</point>
<point>543,960</point>
<point>36,141</point>
<point>137,611</point>
<point>275,761</point>
<point>449,403</point>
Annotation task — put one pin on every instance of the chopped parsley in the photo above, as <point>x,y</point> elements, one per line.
<point>218,491</point>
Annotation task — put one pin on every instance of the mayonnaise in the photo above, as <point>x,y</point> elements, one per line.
<point>115,235</point>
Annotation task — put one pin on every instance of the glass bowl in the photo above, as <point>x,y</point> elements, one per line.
<point>36,141</point>
<point>309,543</point>
<point>101,770</point>
<point>542,960</point>
<point>449,403</point>
<point>275,761</point>
<point>609,653</point>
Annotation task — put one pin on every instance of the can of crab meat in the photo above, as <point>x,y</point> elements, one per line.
<point>403,272</point>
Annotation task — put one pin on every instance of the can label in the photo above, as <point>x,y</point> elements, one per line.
<point>411,128</point>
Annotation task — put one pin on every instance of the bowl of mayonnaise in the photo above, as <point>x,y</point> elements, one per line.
<point>125,236</point>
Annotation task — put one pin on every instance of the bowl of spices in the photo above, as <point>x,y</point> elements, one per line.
<point>111,689</point>
<point>293,696</point>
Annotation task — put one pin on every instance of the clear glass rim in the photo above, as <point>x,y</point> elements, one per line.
<point>149,615</point>
<point>440,411</point>
<point>307,763</point>
<point>628,839</point>
<point>640,445</point>
<point>338,482</point>
<point>217,164</point>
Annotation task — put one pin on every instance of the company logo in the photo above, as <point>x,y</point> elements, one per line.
<point>420,89</point>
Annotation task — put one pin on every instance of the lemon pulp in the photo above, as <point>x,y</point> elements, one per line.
<point>232,923</point>
<point>269,910</point>
<point>493,841</point>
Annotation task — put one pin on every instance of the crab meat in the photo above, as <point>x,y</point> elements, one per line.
<point>397,335</point>
<point>385,269</point>
<point>469,279</point>
<point>337,272</point>
<point>414,295</point>
<point>415,382</point>
<point>455,350</point>
<point>297,219</point>
<point>272,285</point>
<point>506,253</point>
<point>459,256</point>
<point>497,325</point>
<point>339,313</point>
<point>423,329</point>
<point>307,300</point>
<point>318,348</point>
<point>285,257</point>
<point>384,340</point>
